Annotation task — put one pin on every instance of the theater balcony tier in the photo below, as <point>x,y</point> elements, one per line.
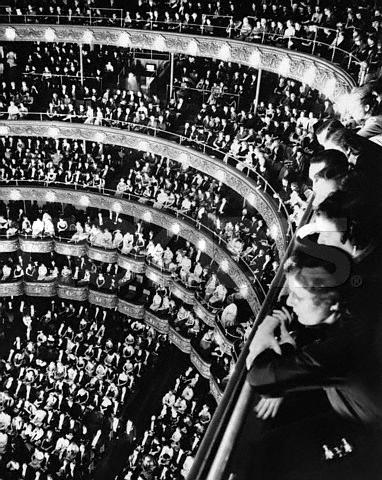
<point>322,74</point>
<point>262,199</point>
<point>211,246</point>
<point>159,322</point>
<point>70,291</point>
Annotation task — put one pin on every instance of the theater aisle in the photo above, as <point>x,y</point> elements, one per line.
<point>146,402</point>
<point>156,383</point>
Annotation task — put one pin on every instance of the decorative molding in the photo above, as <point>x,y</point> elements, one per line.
<point>201,311</point>
<point>102,255</point>
<point>215,389</point>
<point>251,54</point>
<point>131,309</point>
<point>231,176</point>
<point>41,245</point>
<point>67,292</point>
<point>201,365</point>
<point>185,294</point>
<point>40,289</point>
<point>9,245</point>
<point>71,249</point>
<point>184,344</point>
<point>222,340</point>
<point>159,324</point>
<point>105,300</point>
<point>158,276</point>
<point>11,289</point>
<point>134,264</point>
<point>159,218</point>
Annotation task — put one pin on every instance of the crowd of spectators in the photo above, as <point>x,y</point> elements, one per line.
<point>326,29</point>
<point>253,137</point>
<point>147,178</point>
<point>292,142</point>
<point>64,386</point>
<point>248,136</point>
<point>269,141</point>
<point>74,355</point>
<point>168,447</point>
<point>346,180</point>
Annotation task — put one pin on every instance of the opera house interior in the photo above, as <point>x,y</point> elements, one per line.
<point>190,248</point>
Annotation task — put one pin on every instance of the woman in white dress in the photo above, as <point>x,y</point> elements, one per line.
<point>48,225</point>
<point>128,242</point>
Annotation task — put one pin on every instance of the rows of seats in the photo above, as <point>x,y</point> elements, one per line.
<point>327,30</point>
<point>64,386</point>
<point>314,361</point>
<point>65,164</point>
<point>243,134</point>
<point>168,446</point>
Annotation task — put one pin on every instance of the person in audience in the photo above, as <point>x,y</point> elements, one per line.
<point>337,354</point>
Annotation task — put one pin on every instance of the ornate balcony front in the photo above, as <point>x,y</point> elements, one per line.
<point>204,314</point>
<point>67,292</point>
<point>199,363</point>
<point>9,245</point>
<point>105,300</point>
<point>11,289</point>
<point>70,248</point>
<point>40,289</point>
<point>183,343</point>
<point>131,309</point>
<point>186,294</point>
<point>102,255</point>
<point>132,262</point>
<point>157,275</point>
<point>36,245</point>
<point>159,324</point>
<point>215,389</point>
<point>226,345</point>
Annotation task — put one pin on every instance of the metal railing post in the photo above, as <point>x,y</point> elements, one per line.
<point>258,84</point>
<point>314,42</point>
<point>81,66</point>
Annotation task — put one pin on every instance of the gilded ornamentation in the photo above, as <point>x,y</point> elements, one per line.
<point>201,365</point>
<point>159,324</point>
<point>105,300</point>
<point>158,218</point>
<point>36,245</point>
<point>40,289</point>
<point>261,200</point>
<point>182,343</point>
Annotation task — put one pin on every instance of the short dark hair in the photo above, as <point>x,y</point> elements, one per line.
<point>364,95</point>
<point>331,158</point>
<point>328,127</point>
<point>315,274</point>
<point>336,165</point>
<point>363,224</point>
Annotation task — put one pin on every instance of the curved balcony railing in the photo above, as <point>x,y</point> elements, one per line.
<point>252,187</point>
<point>159,275</point>
<point>310,44</point>
<point>217,445</point>
<point>187,227</point>
<point>108,300</point>
<point>321,74</point>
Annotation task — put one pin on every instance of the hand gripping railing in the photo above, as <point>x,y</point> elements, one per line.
<point>217,445</point>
